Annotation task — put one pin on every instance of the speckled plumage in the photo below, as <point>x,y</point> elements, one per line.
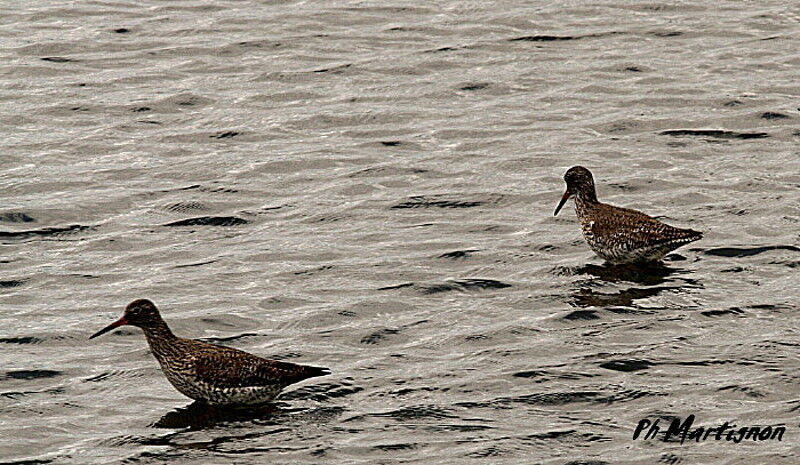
<point>211,373</point>
<point>620,235</point>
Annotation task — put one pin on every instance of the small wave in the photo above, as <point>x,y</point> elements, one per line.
<point>209,221</point>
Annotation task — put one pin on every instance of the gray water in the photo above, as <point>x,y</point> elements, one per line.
<point>369,186</point>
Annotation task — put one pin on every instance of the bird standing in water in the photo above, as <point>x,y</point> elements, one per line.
<point>620,235</point>
<point>209,373</point>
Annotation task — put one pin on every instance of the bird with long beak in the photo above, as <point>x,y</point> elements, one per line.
<point>619,235</point>
<point>207,372</point>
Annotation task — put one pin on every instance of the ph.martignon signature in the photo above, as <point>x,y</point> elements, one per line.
<point>725,432</point>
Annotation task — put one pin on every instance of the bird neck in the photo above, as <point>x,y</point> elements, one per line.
<point>159,337</point>
<point>585,199</point>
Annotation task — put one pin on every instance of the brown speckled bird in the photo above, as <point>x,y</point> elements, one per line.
<point>207,372</point>
<point>620,235</point>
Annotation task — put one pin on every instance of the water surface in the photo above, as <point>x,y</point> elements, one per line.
<point>369,186</point>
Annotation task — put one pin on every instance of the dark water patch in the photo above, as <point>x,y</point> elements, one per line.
<point>735,269</point>
<point>145,121</point>
<point>443,49</point>
<point>464,285</point>
<point>290,355</point>
<point>270,209</point>
<point>708,363</point>
<point>748,391</point>
<point>21,340</point>
<point>210,221</point>
<point>406,391</point>
<point>568,435</point>
<point>675,257</point>
<point>584,315</point>
<point>31,374</point>
<point>738,252</point>
<point>555,398</point>
<point>141,109</point>
<point>421,201</point>
<point>574,376</point>
<point>625,187</point>
<point>729,311</point>
<point>259,44</point>
<point>45,232</point>
<point>391,143</point>
<point>313,271</point>
<point>181,207</point>
<point>122,30</point>
<point>12,283</point>
<point>714,133</point>
<point>668,34</point>
<point>122,440</point>
<point>28,462</point>
<point>542,38</point>
<point>531,374</point>
<point>631,394</point>
<point>773,115</point>
<point>20,394</point>
<point>219,339</point>
<point>491,451</point>
<point>16,217</point>
<point>633,311</point>
<point>476,86</point>
<point>481,284</point>
<point>190,265</point>
<point>788,264</point>
<point>380,171</point>
<point>549,435</point>
<point>418,412</point>
<point>58,59</point>
<point>393,447</point>
<point>633,69</point>
<point>225,135</point>
<point>771,307</point>
<point>202,188</point>
<point>397,286</point>
<point>378,336</point>
<point>322,392</point>
<point>456,428</point>
<point>458,254</point>
<point>334,69</point>
<point>627,365</point>
<point>587,462</point>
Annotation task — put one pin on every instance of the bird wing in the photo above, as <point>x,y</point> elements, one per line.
<point>226,367</point>
<point>638,230</point>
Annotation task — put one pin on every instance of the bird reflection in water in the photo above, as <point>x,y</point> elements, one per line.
<point>654,279</point>
<point>200,415</point>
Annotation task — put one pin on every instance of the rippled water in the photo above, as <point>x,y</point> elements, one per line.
<point>369,186</point>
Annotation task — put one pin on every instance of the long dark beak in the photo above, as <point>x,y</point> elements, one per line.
<point>121,322</point>
<point>566,196</point>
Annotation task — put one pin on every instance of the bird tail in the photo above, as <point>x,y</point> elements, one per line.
<point>312,372</point>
